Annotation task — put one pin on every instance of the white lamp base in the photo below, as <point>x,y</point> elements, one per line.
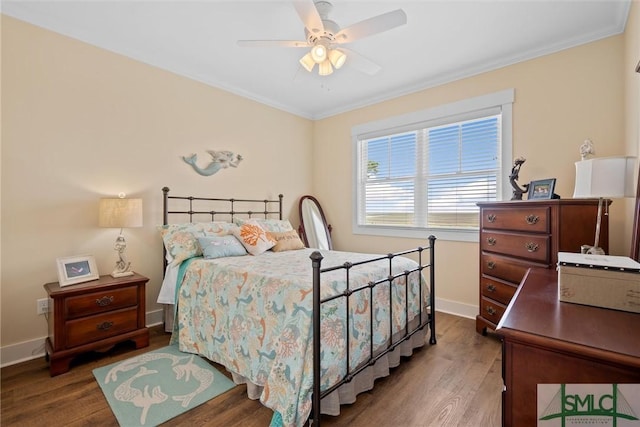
<point>122,274</point>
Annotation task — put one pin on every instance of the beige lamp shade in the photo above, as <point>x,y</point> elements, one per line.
<point>120,213</point>
<point>606,177</point>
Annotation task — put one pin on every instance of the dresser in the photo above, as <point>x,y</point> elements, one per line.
<point>517,235</point>
<point>547,341</point>
<point>94,316</point>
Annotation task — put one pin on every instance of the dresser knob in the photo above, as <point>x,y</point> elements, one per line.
<point>491,265</point>
<point>491,241</point>
<point>531,247</point>
<point>491,218</point>
<point>104,326</point>
<point>491,311</point>
<point>491,288</point>
<point>531,219</point>
<point>104,301</point>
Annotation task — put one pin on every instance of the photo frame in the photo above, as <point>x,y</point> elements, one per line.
<point>542,189</point>
<point>77,269</point>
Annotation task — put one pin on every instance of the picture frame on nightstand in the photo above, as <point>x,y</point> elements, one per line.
<point>77,269</point>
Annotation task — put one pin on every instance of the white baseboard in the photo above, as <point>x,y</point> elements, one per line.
<point>457,308</point>
<point>33,349</point>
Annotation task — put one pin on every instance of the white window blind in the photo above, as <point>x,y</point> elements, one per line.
<point>429,175</point>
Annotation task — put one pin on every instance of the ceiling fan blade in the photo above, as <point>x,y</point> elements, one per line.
<point>272,43</point>
<point>309,15</point>
<point>360,62</point>
<point>371,26</point>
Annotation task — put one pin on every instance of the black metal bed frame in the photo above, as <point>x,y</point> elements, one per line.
<point>426,317</point>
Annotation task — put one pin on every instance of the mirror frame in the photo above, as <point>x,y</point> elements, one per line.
<point>301,229</point>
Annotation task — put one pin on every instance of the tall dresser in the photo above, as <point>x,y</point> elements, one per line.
<point>517,235</point>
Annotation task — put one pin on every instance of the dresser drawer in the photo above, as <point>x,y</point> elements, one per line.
<point>504,268</point>
<point>529,246</point>
<point>497,291</point>
<point>99,302</point>
<point>95,328</point>
<point>530,219</point>
<point>491,310</point>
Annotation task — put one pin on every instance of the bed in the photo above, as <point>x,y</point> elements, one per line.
<point>259,315</point>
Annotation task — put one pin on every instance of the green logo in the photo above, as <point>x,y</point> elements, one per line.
<point>585,406</point>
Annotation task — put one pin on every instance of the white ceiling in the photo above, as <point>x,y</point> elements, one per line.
<point>442,41</point>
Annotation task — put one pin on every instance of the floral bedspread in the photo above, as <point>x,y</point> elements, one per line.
<point>252,314</point>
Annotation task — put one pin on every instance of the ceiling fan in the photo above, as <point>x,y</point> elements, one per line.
<point>325,40</point>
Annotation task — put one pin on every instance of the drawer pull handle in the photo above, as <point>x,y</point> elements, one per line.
<point>491,265</point>
<point>491,241</point>
<point>491,311</point>
<point>104,301</point>
<point>491,217</point>
<point>104,326</point>
<point>532,219</point>
<point>491,288</point>
<point>531,247</point>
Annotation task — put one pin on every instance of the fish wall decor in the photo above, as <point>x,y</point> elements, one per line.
<point>219,160</point>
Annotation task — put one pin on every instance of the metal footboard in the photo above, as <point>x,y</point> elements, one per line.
<point>425,318</point>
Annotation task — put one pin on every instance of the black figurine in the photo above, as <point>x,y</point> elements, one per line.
<point>515,171</point>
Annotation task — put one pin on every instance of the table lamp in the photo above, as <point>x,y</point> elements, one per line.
<point>604,178</point>
<point>120,213</point>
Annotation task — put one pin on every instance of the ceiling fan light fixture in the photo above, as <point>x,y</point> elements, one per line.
<point>307,62</point>
<point>337,58</point>
<point>325,68</point>
<point>319,53</point>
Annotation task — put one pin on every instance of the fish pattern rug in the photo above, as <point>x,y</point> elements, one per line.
<point>151,388</point>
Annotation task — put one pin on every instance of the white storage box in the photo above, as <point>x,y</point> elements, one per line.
<point>599,280</point>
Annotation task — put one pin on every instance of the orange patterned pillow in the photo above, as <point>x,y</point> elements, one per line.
<point>254,238</point>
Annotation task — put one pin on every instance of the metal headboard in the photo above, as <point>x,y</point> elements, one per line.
<point>198,206</point>
<point>194,209</point>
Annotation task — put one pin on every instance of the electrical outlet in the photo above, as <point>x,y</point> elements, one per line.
<point>42,306</point>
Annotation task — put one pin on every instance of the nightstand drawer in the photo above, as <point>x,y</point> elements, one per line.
<point>529,219</point>
<point>528,246</point>
<point>95,328</point>
<point>498,291</point>
<point>99,302</point>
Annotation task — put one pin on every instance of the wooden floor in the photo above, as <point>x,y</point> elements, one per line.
<point>454,383</point>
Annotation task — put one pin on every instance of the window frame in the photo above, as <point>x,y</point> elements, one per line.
<point>442,114</point>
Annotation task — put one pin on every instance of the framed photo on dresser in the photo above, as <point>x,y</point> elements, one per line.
<point>542,189</point>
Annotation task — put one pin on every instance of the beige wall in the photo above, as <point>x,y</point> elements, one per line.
<point>80,123</point>
<point>632,94</point>
<point>560,100</point>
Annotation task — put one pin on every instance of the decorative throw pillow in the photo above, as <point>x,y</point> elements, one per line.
<point>180,240</point>
<point>278,225</point>
<point>286,241</point>
<point>253,237</point>
<point>221,246</point>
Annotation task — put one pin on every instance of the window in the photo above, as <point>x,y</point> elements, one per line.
<point>423,173</point>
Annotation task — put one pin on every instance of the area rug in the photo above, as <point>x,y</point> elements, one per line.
<point>154,387</point>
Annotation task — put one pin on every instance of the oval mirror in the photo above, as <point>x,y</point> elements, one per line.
<point>314,230</point>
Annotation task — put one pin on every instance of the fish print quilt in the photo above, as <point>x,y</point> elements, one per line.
<point>253,314</point>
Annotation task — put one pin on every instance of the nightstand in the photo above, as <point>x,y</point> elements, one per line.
<point>94,316</point>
